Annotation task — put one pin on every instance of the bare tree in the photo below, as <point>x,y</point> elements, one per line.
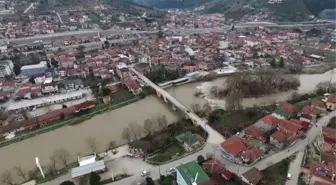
<point>20,172</point>
<point>126,134</point>
<point>32,174</point>
<point>6,178</point>
<point>112,144</point>
<point>207,109</point>
<point>136,130</point>
<point>92,144</point>
<point>196,108</point>
<point>162,122</point>
<point>53,160</point>
<point>148,127</point>
<point>63,156</point>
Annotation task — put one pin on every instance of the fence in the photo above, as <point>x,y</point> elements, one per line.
<point>177,158</point>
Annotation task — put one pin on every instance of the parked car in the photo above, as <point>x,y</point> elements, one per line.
<point>145,173</point>
<point>303,137</point>
<point>171,170</point>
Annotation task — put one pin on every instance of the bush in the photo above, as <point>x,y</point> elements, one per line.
<point>94,178</point>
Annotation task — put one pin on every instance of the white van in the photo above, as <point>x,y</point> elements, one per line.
<point>289,176</point>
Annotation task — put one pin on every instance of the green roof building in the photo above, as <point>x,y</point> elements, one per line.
<point>186,174</point>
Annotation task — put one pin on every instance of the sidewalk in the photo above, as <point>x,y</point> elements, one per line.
<point>295,168</point>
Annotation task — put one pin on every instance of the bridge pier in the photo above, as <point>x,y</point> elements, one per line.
<point>158,94</point>
<point>165,99</point>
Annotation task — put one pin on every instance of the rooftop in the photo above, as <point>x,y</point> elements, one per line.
<point>189,170</point>
<point>87,169</point>
<point>235,145</point>
<point>253,176</point>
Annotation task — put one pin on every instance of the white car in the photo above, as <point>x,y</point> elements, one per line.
<point>145,173</point>
<point>171,170</point>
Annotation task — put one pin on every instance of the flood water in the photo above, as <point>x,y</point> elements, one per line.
<point>108,126</point>
<point>185,93</point>
<point>104,128</point>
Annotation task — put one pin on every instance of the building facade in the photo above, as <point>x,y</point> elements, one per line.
<point>6,68</point>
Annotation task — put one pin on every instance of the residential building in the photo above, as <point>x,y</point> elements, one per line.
<point>6,68</point>
<point>280,139</point>
<point>252,177</point>
<point>189,141</point>
<point>329,135</point>
<point>133,86</point>
<point>87,165</point>
<point>232,147</point>
<point>8,86</point>
<point>288,126</point>
<point>216,169</point>
<point>320,105</point>
<point>39,79</point>
<point>267,123</point>
<point>321,172</point>
<point>122,71</point>
<point>191,172</point>
<point>251,154</point>
<point>75,84</point>
<point>308,114</point>
<point>35,69</point>
<point>254,132</point>
<point>331,102</point>
<point>286,111</point>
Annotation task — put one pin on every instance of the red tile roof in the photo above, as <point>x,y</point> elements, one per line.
<point>318,104</point>
<point>85,105</point>
<point>281,136</point>
<point>329,133</point>
<point>331,98</point>
<point>235,145</point>
<point>289,126</point>
<point>132,84</point>
<point>213,166</point>
<point>56,113</point>
<point>252,153</point>
<point>288,107</point>
<point>253,176</point>
<point>8,83</point>
<point>3,94</point>
<point>323,171</point>
<point>254,131</point>
<point>321,183</point>
<point>308,110</point>
<point>269,119</point>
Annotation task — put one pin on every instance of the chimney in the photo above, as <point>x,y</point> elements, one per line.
<point>333,177</point>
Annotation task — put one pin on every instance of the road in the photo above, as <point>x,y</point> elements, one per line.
<point>295,168</point>
<point>94,32</point>
<point>29,7</point>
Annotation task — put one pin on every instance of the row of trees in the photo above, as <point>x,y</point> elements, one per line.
<point>239,86</point>
<point>161,74</point>
<point>135,131</point>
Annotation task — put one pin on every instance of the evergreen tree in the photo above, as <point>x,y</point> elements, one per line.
<point>273,63</point>
<point>94,178</point>
<point>281,63</point>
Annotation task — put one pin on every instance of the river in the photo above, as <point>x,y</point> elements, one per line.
<point>104,128</point>
<point>185,93</point>
<point>108,126</point>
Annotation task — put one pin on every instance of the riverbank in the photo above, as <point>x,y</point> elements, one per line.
<point>104,128</point>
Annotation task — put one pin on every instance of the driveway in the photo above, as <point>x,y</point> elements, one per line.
<point>295,168</point>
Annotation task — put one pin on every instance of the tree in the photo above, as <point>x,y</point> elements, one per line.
<point>161,122</point>
<point>94,178</point>
<point>281,63</point>
<point>32,80</point>
<point>92,144</point>
<point>136,130</point>
<point>6,178</point>
<point>67,183</point>
<point>149,181</point>
<point>63,156</point>
<point>48,65</point>
<point>273,63</point>
<point>64,106</point>
<point>106,44</point>
<point>54,63</point>
<point>53,160</point>
<point>17,69</point>
<point>126,134</point>
<point>112,144</point>
<point>200,159</point>
<point>148,127</point>
<point>20,172</point>
<point>106,91</point>
<point>80,50</point>
<point>207,109</point>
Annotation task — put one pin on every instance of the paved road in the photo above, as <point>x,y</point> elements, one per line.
<point>92,32</point>
<point>295,168</point>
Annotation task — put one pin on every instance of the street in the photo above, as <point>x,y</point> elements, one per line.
<point>295,168</point>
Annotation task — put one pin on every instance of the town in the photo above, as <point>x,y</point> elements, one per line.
<point>123,94</point>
